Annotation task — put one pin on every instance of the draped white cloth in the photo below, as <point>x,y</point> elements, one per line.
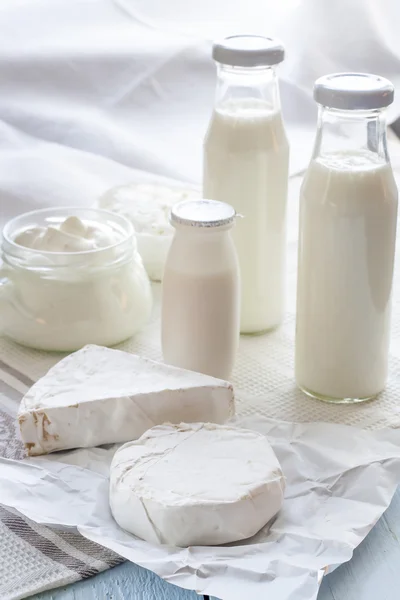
<point>91,89</point>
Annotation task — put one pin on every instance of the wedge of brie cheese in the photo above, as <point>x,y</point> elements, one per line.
<point>195,484</point>
<point>99,396</point>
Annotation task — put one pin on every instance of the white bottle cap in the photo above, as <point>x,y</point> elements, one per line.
<point>202,213</point>
<point>353,91</point>
<point>248,51</point>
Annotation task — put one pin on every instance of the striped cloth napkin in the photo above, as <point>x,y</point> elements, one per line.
<point>34,558</point>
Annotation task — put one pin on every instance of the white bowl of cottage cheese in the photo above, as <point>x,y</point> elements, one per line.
<point>148,206</point>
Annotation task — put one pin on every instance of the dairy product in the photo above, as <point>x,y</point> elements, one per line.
<point>198,484</point>
<point>70,235</point>
<point>246,164</point>
<point>72,279</point>
<point>148,206</point>
<point>346,253</point>
<point>101,396</point>
<point>198,333</point>
<point>201,295</point>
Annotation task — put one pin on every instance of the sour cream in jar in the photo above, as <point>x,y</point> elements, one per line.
<point>71,277</point>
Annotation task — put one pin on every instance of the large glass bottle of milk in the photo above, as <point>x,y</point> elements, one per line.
<point>348,211</point>
<point>246,157</point>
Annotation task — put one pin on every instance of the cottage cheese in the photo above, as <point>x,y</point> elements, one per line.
<point>148,207</point>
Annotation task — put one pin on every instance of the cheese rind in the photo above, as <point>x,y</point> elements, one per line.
<point>195,484</point>
<point>100,396</point>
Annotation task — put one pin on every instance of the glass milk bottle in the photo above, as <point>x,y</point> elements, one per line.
<point>348,211</point>
<point>201,294</point>
<point>246,157</point>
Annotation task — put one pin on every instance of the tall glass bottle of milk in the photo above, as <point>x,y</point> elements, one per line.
<point>246,157</point>
<point>348,211</point>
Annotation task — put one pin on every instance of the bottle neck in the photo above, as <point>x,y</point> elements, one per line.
<point>351,132</point>
<point>236,84</point>
<point>201,233</point>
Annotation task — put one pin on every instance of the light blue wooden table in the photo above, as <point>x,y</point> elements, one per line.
<point>372,574</point>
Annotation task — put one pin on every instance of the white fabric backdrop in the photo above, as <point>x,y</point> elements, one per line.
<point>90,89</point>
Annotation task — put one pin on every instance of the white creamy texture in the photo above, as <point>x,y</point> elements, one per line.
<point>102,307</point>
<point>246,159</point>
<point>199,484</point>
<point>348,211</point>
<point>100,396</point>
<point>72,235</point>
<point>83,283</point>
<point>148,207</point>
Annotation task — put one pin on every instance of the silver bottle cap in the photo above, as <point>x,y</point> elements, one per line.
<point>202,213</point>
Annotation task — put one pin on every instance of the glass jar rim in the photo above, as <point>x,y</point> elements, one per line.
<point>18,254</point>
<point>65,211</point>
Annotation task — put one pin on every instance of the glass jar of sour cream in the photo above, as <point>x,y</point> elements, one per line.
<point>71,277</point>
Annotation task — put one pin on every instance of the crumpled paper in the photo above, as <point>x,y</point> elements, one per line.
<point>339,482</point>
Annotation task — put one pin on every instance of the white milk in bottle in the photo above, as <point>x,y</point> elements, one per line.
<point>201,290</point>
<point>246,157</point>
<point>348,211</point>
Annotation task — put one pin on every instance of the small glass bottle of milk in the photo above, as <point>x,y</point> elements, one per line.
<point>201,290</point>
<point>348,212</point>
<point>246,156</point>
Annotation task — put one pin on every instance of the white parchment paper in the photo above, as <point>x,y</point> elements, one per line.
<point>339,482</point>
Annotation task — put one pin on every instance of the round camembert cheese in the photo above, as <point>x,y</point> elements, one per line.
<point>195,484</point>
<point>148,207</point>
